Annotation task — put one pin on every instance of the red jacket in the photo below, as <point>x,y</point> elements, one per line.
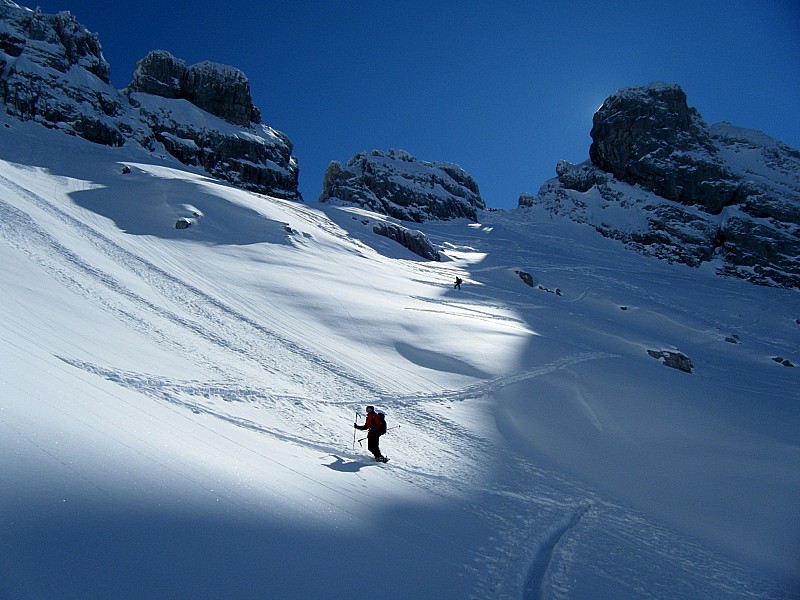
<point>372,423</point>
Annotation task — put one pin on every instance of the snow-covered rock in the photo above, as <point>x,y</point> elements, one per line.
<point>173,99</point>
<point>416,241</point>
<point>649,136</point>
<point>52,71</point>
<point>219,89</point>
<point>662,181</point>
<point>395,183</point>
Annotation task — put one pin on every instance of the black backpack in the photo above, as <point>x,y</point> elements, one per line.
<point>381,422</point>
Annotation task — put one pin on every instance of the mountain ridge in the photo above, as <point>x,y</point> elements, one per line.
<point>659,179</point>
<point>53,72</point>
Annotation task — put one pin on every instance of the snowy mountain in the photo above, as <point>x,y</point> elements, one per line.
<point>659,179</point>
<point>177,404</point>
<point>52,71</point>
<point>666,184</point>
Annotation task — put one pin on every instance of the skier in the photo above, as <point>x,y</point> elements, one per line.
<point>373,425</point>
<point>457,285</point>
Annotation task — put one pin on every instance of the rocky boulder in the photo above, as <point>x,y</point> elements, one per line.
<point>673,359</point>
<point>395,183</point>
<point>416,241</point>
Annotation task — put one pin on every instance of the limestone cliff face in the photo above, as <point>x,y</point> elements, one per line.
<point>52,71</point>
<point>664,182</point>
<point>219,89</point>
<point>171,97</point>
<point>649,136</point>
<point>395,183</point>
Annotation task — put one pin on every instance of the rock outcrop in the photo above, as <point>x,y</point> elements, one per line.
<point>161,74</point>
<point>42,58</point>
<point>170,97</point>
<point>416,241</point>
<point>52,71</point>
<point>395,183</point>
<point>649,136</point>
<point>664,182</point>
<point>221,90</point>
<point>673,359</point>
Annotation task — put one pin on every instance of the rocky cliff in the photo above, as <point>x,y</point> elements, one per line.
<point>52,71</point>
<point>395,183</point>
<point>664,182</point>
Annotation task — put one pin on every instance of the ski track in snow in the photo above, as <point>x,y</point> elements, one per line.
<point>522,556</point>
<point>497,383</point>
<point>463,309</point>
<point>524,559</point>
<point>535,582</point>
<point>212,321</point>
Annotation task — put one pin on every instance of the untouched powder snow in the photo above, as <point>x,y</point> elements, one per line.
<point>176,406</point>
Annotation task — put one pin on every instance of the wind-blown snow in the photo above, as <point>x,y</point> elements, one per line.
<point>176,406</point>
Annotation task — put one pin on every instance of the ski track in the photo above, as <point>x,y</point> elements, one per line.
<point>536,579</point>
<point>495,384</point>
<point>212,321</point>
<point>524,558</point>
<point>461,308</point>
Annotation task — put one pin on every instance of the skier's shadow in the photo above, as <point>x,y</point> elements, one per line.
<point>345,465</point>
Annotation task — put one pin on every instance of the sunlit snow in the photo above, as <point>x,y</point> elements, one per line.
<point>176,406</point>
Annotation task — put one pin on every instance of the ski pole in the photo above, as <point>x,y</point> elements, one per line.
<point>354,432</point>
<point>387,430</point>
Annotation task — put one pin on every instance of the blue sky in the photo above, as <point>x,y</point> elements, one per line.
<point>504,89</point>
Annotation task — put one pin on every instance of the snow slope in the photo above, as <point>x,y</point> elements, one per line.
<point>176,406</point>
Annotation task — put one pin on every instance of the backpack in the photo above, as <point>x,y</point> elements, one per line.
<point>381,422</point>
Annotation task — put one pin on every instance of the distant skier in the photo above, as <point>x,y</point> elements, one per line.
<point>458,283</point>
<point>376,427</point>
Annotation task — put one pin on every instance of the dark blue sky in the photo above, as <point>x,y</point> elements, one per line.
<point>504,89</point>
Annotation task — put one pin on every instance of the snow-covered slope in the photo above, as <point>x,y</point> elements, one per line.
<point>176,406</point>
